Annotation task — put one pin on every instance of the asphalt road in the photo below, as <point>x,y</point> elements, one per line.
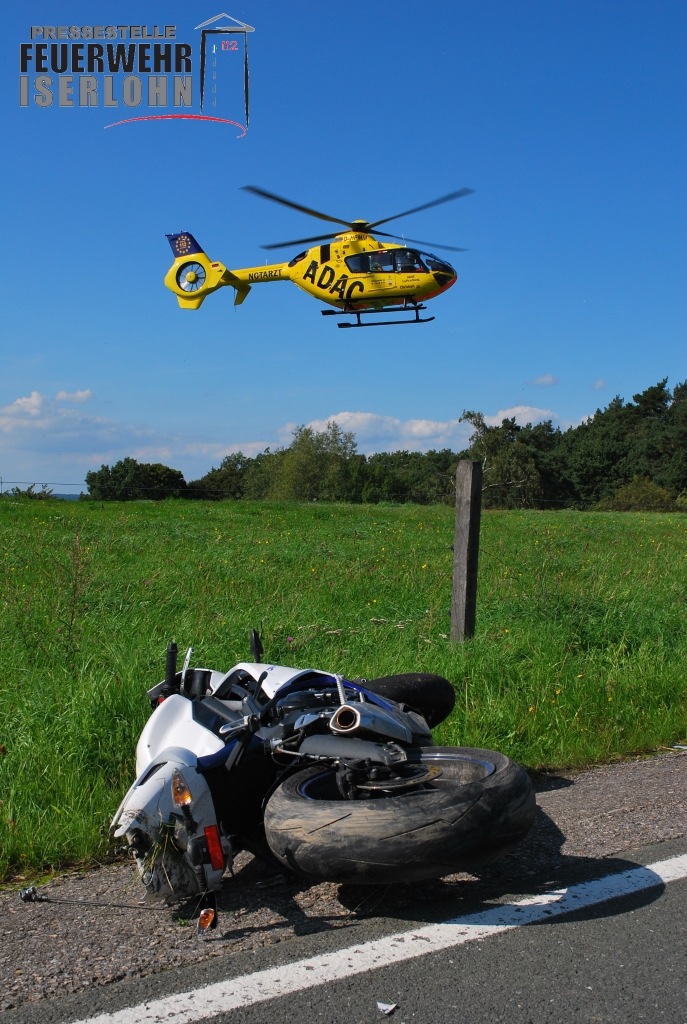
<point>613,960</point>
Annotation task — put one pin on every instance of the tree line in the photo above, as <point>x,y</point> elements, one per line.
<point>628,455</point>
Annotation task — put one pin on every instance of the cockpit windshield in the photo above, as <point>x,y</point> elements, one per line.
<point>435,264</point>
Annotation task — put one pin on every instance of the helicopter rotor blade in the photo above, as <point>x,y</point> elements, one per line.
<point>358,225</point>
<point>417,241</point>
<point>426,206</point>
<point>378,234</point>
<point>294,206</point>
<point>300,241</point>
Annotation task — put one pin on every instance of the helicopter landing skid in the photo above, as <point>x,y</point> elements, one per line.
<point>357,313</point>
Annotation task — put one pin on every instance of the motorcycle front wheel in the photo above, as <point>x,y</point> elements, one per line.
<point>476,810</point>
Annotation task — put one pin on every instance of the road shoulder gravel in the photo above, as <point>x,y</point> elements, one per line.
<point>586,822</point>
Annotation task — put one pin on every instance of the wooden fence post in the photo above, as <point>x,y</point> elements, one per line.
<point>466,549</point>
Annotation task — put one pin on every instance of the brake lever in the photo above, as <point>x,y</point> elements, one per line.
<point>249,723</point>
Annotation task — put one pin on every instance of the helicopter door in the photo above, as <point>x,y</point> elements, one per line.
<point>383,269</point>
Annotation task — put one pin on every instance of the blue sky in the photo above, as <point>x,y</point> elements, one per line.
<point>567,117</point>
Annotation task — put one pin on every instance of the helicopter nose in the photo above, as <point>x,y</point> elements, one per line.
<point>443,278</point>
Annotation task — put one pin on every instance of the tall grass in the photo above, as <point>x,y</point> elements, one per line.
<point>579,653</point>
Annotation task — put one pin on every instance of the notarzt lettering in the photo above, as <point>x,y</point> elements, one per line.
<point>264,275</point>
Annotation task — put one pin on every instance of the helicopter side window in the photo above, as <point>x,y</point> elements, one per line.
<point>358,264</point>
<point>408,262</point>
<point>386,261</point>
<point>297,259</point>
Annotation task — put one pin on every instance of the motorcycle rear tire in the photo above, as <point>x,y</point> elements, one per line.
<point>432,696</point>
<point>477,810</point>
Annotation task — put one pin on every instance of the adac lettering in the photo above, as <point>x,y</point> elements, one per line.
<point>326,280</point>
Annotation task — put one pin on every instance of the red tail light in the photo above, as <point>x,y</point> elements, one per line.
<point>214,847</point>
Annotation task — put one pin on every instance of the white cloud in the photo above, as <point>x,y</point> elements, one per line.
<point>39,412</point>
<point>40,430</point>
<point>599,384</point>
<point>74,396</point>
<point>377,433</point>
<point>17,411</point>
<point>522,414</point>
<point>546,380</point>
<point>49,439</point>
<point>215,451</point>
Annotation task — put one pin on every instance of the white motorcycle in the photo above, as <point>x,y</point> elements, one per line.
<point>327,778</point>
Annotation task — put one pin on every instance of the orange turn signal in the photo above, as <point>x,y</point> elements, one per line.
<point>181,794</point>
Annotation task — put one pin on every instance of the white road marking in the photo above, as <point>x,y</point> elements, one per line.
<point>223,996</point>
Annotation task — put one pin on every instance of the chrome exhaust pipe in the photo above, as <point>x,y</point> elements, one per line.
<point>364,718</point>
<point>346,719</point>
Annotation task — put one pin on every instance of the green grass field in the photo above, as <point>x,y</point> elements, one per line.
<point>579,654</point>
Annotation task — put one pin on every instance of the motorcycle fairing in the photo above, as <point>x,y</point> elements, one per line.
<point>173,724</point>
<point>276,676</point>
<point>148,810</point>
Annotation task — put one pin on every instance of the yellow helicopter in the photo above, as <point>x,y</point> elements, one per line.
<point>350,271</point>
